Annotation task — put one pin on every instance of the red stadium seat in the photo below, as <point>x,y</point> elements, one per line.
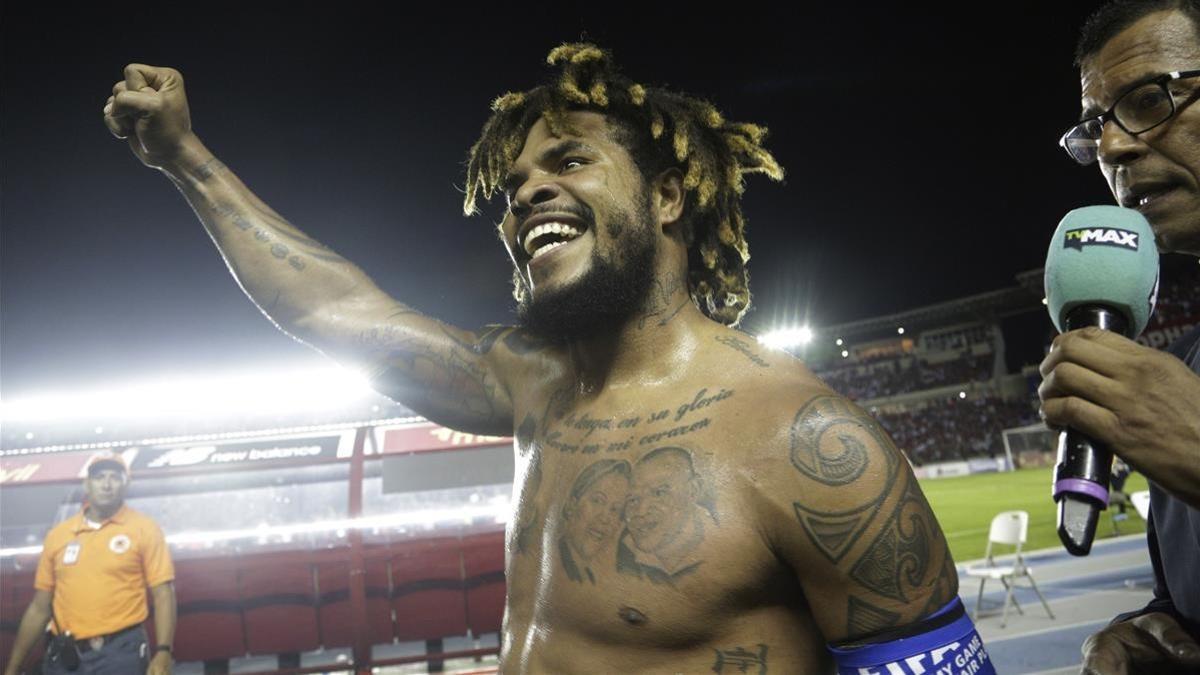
<point>280,607</point>
<point>379,602</point>
<point>209,626</point>
<point>16,592</point>
<point>336,618</point>
<point>427,590</point>
<point>483,567</point>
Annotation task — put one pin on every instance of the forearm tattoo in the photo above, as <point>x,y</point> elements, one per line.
<point>281,240</point>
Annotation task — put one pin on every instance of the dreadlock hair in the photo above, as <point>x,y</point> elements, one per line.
<point>661,130</point>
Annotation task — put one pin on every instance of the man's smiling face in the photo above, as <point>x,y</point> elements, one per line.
<point>579,228</point>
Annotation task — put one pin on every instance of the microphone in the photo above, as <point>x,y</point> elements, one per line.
<point>1101,270</point>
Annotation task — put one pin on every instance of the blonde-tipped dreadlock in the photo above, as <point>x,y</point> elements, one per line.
<point>679,131</point>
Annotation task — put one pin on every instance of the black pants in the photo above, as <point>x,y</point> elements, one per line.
<point>126,654</point>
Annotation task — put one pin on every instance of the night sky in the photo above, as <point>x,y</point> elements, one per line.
<point>920,149</point>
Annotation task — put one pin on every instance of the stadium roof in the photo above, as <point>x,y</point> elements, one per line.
<point>988,306</point>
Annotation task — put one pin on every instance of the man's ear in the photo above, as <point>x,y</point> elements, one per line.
<point>668,197</point>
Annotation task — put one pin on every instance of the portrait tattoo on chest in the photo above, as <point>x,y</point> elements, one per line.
<point>649,517</point>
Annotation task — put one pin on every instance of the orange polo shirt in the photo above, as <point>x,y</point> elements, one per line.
<point>99,576</point>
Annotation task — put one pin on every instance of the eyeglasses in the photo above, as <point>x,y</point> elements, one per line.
<point>1138,110</point>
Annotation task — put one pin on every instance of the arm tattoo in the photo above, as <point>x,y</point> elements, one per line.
<point>207,170</point>
<point>272,230</point>
<point>863,618</point>
<point>416,372</point>
<point>518,340</point>
<point>837,446</point>
<point>898,560</point>
<point>828,441</point>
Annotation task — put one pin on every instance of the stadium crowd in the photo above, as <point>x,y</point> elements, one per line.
<point>952,429</point>
<point>903,375</point>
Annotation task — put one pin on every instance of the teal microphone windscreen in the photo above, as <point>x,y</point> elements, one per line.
<point>1103,255</point>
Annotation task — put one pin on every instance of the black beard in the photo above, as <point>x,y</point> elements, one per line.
<point>605,297</point>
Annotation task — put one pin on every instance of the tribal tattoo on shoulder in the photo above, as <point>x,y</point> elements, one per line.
<point>836,446</point>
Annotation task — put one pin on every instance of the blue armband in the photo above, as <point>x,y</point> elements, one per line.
<point>945,643</point>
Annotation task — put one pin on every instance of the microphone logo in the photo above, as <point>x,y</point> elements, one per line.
<point>1100,236</point>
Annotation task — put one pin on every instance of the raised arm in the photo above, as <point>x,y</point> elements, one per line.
<point>452,376</point>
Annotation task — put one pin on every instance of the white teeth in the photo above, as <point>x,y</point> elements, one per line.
<point>543,250</point>
<point>561,229</point>
<point>1143,201</point>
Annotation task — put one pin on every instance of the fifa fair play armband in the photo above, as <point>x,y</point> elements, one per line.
<point>945,643</point>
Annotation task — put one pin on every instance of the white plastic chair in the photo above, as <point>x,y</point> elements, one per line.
<point>1008,528</point>
<point>1141,502</point>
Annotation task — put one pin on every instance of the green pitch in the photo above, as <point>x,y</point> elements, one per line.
<point>965,506</point>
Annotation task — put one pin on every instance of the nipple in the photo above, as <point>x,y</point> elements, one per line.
<point>631,616</point>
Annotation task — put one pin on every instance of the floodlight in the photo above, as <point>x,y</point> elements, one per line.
<point>786,338</point>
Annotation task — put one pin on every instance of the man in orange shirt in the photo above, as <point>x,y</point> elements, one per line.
<point>91,580</point>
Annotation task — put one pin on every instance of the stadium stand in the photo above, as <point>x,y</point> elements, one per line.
<point>883,377</point>
<point>951,429</point>
<point>429,596</point>
<point>942,390</point>
<point>279,607</point>
<point>209,624</point>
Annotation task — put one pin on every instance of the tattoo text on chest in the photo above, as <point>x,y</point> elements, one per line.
<point>583,433</point>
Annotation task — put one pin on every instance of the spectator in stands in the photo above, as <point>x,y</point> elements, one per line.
<point>91,580</point>
<point>1140,122</point>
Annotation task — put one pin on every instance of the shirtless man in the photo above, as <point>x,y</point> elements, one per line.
<point>762,515</point>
